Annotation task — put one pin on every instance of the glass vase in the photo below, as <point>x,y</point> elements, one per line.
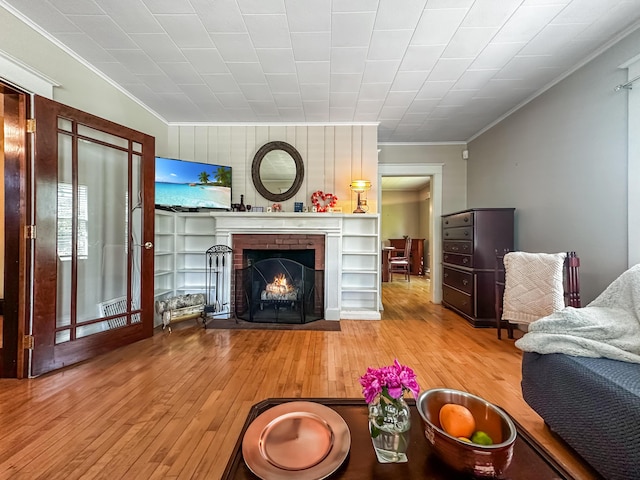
<point>389,424</point>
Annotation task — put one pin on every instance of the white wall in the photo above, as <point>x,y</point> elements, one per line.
<point>633,180</point>
<point>561,161</point>
<point>79,87</point>
<point>400,214</point>
<point>454,172</point>
<point>332,156</point>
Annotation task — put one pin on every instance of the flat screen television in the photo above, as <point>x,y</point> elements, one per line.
<point>183,185</point>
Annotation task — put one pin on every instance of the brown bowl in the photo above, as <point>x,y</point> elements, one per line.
<point>470,458</point>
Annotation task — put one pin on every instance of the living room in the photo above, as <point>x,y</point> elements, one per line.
<point>565,159</point>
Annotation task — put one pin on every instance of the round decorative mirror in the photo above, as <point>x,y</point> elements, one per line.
<point>277,171</point>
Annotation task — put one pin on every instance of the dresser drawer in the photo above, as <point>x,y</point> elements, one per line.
<point>458,279</point>
<point>459,300</point>
<point>458,233</point>
<point>456,259</point>
<point>458,220</point>
<point>457,247</point>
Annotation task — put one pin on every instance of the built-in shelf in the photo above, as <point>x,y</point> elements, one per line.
<point>352,277</point>
<point>360,280</point>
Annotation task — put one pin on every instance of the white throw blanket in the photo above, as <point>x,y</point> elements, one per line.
<point>608,327</point>
<point>533,285</point>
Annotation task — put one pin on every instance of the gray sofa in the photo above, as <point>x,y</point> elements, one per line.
<point>593,404</point>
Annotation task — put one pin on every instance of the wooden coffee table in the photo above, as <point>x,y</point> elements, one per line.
<point>530,459</point>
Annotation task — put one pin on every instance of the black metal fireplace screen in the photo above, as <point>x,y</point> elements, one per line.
<point>279,290</point>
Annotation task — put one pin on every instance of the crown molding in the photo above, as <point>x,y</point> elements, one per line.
<point>400,144</point>
<point>78,58</point>
<point>271,124</point>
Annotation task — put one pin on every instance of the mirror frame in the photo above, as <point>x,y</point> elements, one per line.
<point>255,171</point>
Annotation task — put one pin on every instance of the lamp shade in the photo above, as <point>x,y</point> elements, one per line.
<point>360,186</point>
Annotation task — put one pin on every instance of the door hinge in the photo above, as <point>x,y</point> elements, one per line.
<point>30,231</point>
<point>28,342</point>
<point>31,125</point>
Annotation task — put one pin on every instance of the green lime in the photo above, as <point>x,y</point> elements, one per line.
<point>481,438</point>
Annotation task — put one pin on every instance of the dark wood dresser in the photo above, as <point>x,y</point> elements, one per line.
<point>469,241</point>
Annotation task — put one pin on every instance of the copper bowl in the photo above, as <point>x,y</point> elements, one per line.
<point>471,458</point>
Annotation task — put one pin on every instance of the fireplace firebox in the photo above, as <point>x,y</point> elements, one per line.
<point>279,290</point>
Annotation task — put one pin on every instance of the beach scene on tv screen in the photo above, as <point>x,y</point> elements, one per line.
<point>191,184</point>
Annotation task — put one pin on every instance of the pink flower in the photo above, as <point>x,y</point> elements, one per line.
<point>396,379</point>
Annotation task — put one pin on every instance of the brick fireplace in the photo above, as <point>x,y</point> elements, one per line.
<point>270,241</point>
<point>287,245</point>
<point>326,235</point>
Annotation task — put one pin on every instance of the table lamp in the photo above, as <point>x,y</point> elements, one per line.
<point>360,187</point>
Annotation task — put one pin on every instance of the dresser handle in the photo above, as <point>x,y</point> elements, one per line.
<point>465,260</point>
<point>466,234</point>
<point>446,275</point>
<point>466,219</point>
<point>465,282</point>
<point>455,248</point>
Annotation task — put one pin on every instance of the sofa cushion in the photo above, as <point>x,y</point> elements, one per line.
<point>593,404</point>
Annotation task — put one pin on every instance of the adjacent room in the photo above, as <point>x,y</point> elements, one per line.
<point>320,239</point>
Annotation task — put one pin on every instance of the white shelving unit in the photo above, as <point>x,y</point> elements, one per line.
<point>164,254</point>
<point>195,233</point>
<point>352,256</point>
<point>360,282</point>
<point>181,240</point>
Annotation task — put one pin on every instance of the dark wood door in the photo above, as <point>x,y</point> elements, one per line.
<point>93,252</point>
<point>13,140</point>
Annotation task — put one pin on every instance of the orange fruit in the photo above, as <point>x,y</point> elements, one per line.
<point>457,420</point>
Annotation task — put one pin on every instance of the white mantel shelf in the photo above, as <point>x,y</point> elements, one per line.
<point>352,251</point>
<point>281,222</point>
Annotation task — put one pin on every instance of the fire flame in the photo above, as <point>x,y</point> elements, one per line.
<point>280,279</point>
<point>279,285</point>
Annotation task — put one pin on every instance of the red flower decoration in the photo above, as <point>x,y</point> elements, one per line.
<point>320,195</point>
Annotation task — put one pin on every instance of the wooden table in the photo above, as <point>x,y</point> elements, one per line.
<point>530,460</point>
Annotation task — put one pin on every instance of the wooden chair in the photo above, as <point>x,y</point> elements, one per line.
<point>400,263</point>
<point>570,285</point>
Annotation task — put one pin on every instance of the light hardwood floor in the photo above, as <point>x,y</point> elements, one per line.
<point>172,406</point>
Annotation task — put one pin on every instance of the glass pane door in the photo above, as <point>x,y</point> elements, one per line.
<point>93,233</point>
<point>102,218</point>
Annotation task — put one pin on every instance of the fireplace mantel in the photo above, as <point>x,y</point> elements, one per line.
<point>236,222</point>
<point>352,284</point>
<point>352,252</point>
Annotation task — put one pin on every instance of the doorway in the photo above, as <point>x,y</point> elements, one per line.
<point>405,211</point>
<point>434,173</point>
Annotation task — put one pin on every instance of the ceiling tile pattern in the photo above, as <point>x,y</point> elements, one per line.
<point>427,70</point>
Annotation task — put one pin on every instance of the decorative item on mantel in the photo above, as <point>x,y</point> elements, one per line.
<point>328,200</point>
<point>389,415</point>
<point>361,187</point>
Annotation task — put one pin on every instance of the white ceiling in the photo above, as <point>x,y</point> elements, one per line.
<point>427,70</point>
<point>404,183</point>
